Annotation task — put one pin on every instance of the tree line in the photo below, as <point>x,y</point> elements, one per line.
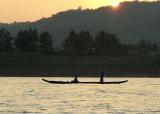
<point>28,40</point>
<point>82,43</point>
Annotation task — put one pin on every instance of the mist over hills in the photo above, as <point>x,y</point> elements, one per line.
<point>131,21</point>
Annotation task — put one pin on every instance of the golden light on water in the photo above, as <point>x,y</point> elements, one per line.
<point>31,95</point>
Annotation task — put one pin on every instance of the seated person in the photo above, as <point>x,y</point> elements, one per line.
<point>75,80</point>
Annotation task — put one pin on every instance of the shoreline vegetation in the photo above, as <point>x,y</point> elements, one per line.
<point>31,53</point>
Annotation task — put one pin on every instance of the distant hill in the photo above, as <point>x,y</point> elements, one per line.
<point>132,21</point>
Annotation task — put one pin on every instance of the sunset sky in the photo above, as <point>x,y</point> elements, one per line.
<point>31,10</point>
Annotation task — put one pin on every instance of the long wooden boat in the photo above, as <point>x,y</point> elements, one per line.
<point>67,82</point>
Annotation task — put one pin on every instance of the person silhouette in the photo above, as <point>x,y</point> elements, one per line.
<point>102,77</point>
<point>75,79</point>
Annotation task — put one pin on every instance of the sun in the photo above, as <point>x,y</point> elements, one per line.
<point>115,4</point>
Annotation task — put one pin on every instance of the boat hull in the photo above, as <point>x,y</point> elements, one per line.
<point>67,82</point>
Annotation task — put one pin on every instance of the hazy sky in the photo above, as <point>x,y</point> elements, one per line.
<point>30,10</point>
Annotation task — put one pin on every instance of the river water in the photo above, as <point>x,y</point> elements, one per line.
<point>33,96</point>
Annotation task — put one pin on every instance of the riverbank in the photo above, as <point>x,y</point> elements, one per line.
<point>28,65</point>
<point>147,74</point>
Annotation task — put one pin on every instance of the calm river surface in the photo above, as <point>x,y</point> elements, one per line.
<point>33,96</point>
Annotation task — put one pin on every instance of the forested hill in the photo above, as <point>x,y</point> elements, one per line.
<point>131,21</point>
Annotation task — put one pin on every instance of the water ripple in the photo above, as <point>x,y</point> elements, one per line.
<point>32,96</point>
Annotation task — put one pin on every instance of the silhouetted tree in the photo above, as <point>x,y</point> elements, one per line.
<point>142,48</point>
<point>154,49</point>
<point>6,41</point>
<point>70,44</point>
<point>107,44</point>
<point>46,43</point>
<point>85,43</point>
<point>79,44</point>
<point>27,40</point>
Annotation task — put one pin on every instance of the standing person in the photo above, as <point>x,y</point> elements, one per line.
<point>102,77</point>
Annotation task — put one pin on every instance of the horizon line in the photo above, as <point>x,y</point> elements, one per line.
<point>78,8</point>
